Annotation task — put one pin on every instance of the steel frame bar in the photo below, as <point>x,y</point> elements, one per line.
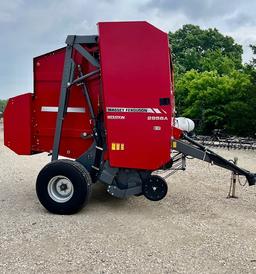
<point>62,102</point>
<point>73,42</point>
<point>82,39</point>
<point>87,55</point>
<point>85,76</point>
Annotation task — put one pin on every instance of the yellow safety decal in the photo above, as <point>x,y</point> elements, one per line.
<point>117,146</point>
<point>174,144</point>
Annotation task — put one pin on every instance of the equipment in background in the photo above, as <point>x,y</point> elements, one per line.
<point>227,142</point>
<point>106,101</point>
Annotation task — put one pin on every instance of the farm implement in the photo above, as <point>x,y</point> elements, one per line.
<point>106,104</point>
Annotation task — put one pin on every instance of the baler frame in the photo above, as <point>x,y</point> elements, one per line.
<point>73,42</point>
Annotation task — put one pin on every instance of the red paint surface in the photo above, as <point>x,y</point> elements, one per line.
<point>47,83</point>
<point>136,74</point>
<point>17,124</point>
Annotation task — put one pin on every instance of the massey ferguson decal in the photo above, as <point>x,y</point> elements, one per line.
<point>143,110</point>
<point>136,110</point>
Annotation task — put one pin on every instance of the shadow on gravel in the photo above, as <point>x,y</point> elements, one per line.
<point>103,201</point>
<point>100,195</point>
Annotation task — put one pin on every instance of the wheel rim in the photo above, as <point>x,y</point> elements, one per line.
<point>60,189</point>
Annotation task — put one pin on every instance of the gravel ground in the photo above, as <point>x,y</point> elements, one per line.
<point>195,229</point>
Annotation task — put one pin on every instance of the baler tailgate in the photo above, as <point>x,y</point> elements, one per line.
<point>17,124</point>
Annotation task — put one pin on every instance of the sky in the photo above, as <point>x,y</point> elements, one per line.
<point>29,28</point>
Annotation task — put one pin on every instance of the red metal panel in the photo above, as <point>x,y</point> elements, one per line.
<point>135,67</point>
<point>17,124</point>
<point>30,121</point>
<point>47,82</point>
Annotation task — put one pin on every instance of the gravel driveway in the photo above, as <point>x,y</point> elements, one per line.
<point>195,229</point>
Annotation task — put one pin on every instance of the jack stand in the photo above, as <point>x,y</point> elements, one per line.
<point>232,188</point>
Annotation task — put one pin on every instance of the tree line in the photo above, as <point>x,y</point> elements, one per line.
<point>212,85</point>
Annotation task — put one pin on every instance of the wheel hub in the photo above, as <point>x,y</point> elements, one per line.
<point>63,187</point>
<point>60,189</point>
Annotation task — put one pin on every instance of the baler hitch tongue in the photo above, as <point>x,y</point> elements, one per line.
<point>251,178</point>
<point>190,147</point>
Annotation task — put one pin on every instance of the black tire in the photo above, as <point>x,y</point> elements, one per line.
<point>71,171</point>
<point>154,188</point>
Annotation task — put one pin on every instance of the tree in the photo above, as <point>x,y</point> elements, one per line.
<point>253,62</point>
<point>219,101</point>
<point>2,105</point>
<point>250,68</point>
<point>190,45</point>
<point>216,61</point>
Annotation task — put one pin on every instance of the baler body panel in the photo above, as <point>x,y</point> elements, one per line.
<point>135,69</point>
<point>48,70</point>
<point>30,119</point>
<point>17,124</point>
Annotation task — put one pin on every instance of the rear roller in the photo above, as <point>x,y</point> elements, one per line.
<point>63,186</point>
<point>154,188</point>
